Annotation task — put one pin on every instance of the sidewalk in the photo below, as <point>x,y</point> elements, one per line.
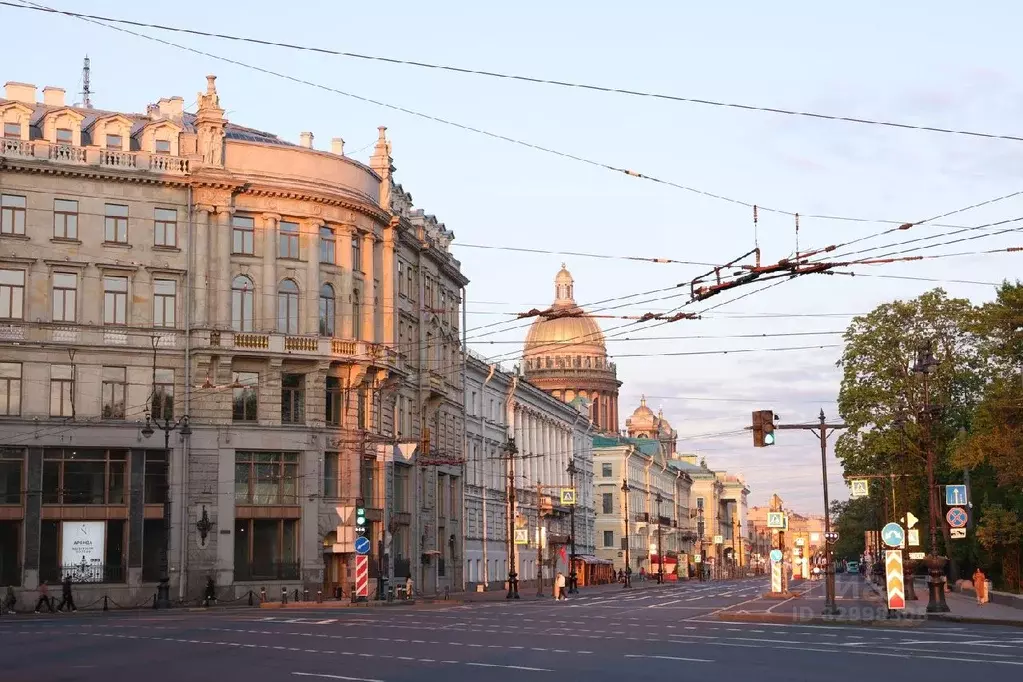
<point>963,608</point>
<point>528,593</point>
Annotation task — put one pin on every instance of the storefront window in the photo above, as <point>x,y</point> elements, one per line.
<point>88,551</point>
<point>12,466</point>
<point>84,476</point>
<point>266,549</point>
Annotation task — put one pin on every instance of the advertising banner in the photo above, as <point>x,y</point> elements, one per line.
<point>82,548</point>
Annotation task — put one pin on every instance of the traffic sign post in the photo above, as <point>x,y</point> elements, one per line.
<point>955,496</point>
<point>893,535</point>
<point>776,574</point>
<point>362,545</point>
<point>957,533</point>
<point>956,517</point>
<point>895,582</point>
<point>362,577</point>
<point>860,488</point>
<point>776,520</point>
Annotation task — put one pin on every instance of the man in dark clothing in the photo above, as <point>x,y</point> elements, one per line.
<point>66,598</point>
<point>210,598</point>
<point>44,597</point>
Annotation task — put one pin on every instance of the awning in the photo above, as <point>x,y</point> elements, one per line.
<point>590,559</point>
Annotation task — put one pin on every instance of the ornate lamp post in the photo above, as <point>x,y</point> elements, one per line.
<point>573,586</point>
<point>628,562</point>
<point>167,426</point>
<point>660,548</point>
<point>926,365</point>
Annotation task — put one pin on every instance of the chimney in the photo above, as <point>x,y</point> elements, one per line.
<point>20,92</point>
<point>306,140</point>
<point>53,97</point>
<point>153,111</point>
<point>172,108</point>
<point>337,146</point>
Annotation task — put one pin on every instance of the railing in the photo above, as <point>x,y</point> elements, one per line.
<point>257,341</point>
<point>65,153</point>
<point>84,573</point>
<point>341,347</point>
<point>11,147</point>
<point>168,164</point>
<point>117,159</point>
<point>267,571</point>
<point>302,343</point>
<point>12,332</point>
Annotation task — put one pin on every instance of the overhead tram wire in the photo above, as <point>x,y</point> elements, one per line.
<point>525,79</point>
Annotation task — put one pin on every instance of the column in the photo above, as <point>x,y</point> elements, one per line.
<point>136,510</point>
<point>268,308</point>
<point>32,525</point>
<point>549,455</point>
<point>220,282</point>
<point>200,270</point>
<point>369,293</point>
<point>311,314</point>
<point>345,234</point>
<point>388,301</point>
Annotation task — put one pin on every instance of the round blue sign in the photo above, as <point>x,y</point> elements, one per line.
<point>362,545</point>
<point>775,555</point>
<point>893,535</point>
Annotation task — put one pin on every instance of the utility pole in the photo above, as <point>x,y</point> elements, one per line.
<point>573,585</point>
<point>628,561</point>
<point>660,547</point>
<point>540,538</point>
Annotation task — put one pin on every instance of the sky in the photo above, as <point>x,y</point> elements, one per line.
<point>938,63</point>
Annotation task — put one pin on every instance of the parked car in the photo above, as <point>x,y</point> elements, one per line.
<point>853,567</point>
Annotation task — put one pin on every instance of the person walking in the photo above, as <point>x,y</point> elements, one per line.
<point>210,598</point>
<point>559,587</point>
<point>980,586</point>
<point>44,597</point>
<point>66,598</point>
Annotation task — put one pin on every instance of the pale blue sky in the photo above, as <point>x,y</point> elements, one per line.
<point>937,63</point>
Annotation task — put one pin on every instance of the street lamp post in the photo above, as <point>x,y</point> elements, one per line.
<point>628,561</point>
<point>167,426</point>
<point>573,587</point>
<point>660,547</point>
<point>926,364</point>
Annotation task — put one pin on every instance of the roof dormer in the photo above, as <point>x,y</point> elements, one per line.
<point>159,137</point>
<point>63,126</point>
<point>16,117</point>
<point>111,132</point>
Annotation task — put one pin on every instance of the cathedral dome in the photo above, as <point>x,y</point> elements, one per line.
<point>574,335</point>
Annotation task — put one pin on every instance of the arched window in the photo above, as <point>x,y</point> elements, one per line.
<point>242,294</point>
<point>287,307</point>
<point>356,315</point>
<point>327,311</point>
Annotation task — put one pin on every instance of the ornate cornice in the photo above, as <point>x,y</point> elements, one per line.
<point>370,210</point>
<point>92,172</point>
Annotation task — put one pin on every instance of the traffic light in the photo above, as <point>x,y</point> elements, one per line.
<point>763,428</point>
<point>360,516</point>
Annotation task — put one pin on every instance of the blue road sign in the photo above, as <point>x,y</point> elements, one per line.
<point>956,517</point>
<point>955,495</point>
<point>893,535</point>
<point>775,555</point>
<point>362,545</point>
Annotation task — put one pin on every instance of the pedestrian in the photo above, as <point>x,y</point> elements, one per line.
<point>980,586</point>
<point>408,587</point>
<point>66,598</point>
<point>10,601</point>
<point>210,598</point>
<point>559,587</point>
<point>44,597</point>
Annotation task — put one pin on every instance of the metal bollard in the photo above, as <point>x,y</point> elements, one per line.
<point>305,594</point>
<point>319,596</point>
<point>262,594</point>
<point>105,607</point>
<point>284,595</point>
<point>250,598</point>
<point>154,601</point>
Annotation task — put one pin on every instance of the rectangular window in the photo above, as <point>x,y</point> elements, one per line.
<point>65,136</point>
<point>12,294</point>
<point>12,464</point>
<point>293,399</point>
<point>243,230</point>
<point>327,244</point>
<point>165,227</point>
<point>84,476</point>
<point>360,409</point>
<point>115,142</point>
<point>156,478</point>
<point>115,381</point>
<point>699,503</point>
<point>65,219</point>
<point>12,130</point>
<point>266,549</point>
<point>266,477</point>
<point>10,389</point>
<point>608,503</point>
<point>402,287</point>
<point>115,300</point>
<point>245,396</point>
<point>61,390</point>
<point>165,298</point>
<point>367,482</point>
<point>116,224</point>
<point>331,478</point>
<point>288,234</point>
<point>356,253</point>
<point>333,411</point>
<point>163,394</point>
<point>163,147</point>
<point>609,538</point>
<point>65,297</point>
<point>605,470</point>
<point>12,214</point>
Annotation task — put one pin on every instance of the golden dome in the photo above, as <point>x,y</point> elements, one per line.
<point>574,335</point>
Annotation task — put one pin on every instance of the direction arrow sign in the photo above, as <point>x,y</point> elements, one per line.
<point>910,520</point>
<point>955,495</point>
<point>362,545</point>
<point>893,535</point>
<point>895,582</point>
<point>956,517</point>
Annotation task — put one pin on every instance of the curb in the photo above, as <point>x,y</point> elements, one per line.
<point>330,606</point>
<point>973,620</point>
<point>816,620</point>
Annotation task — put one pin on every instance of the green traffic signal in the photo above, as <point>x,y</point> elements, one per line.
<point>769,438</point>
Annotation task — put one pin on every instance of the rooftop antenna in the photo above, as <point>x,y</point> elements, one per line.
<point>86,91</point>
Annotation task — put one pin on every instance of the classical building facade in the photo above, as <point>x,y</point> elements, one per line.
<point>549,435</point>
<point>286,303</point>
<point>565,354</point>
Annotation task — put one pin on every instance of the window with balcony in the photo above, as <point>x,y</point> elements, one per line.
<point>243,235</point>
<point>65,219</point>
<point>62,385</point>
<point>162,146</point>
<point>608,503</point>
<point>10,389</point>
<point>113,390</point>
<point>266,477</point>
<point>245,397</point>
<point>84,476</point>
<point>115,142</point>
<point>266,549</point>
<point>287,307</point>
<point>115,300</point>
<point>288,240</point>
<point>12,214</point>
<point>163,394</point>
<point>165,227</point>
<point>605,470</point>
<point>609,538</point>
<point>165,301</point>
<point>334,403</point>
<point>12,131</point>
<point>293,399</point>
<point>328,314</point>
<point>65,136</point>
<point>356,253</point>
<point>12,466</point>
<point>115,229</point>
<point>356,315</point>
<point>242,301</point>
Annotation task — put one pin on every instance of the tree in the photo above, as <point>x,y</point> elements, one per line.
<point>1000,533</point>
<point>852,520</point>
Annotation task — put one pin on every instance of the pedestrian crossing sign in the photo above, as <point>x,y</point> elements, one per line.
<point>860,488</point>
<point>567,497</point>
<point>521,536</point>
<point>776,520</point>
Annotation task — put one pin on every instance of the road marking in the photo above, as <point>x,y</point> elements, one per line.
<point>670,658</point>
<point>338,677</point>
<point>510,667</point>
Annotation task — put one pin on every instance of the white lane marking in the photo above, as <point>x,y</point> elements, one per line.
<point>338,677</point>
<point>670,658</point>
<point>510,667</point>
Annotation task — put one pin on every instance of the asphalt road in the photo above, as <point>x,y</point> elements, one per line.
<point>670,632</point>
